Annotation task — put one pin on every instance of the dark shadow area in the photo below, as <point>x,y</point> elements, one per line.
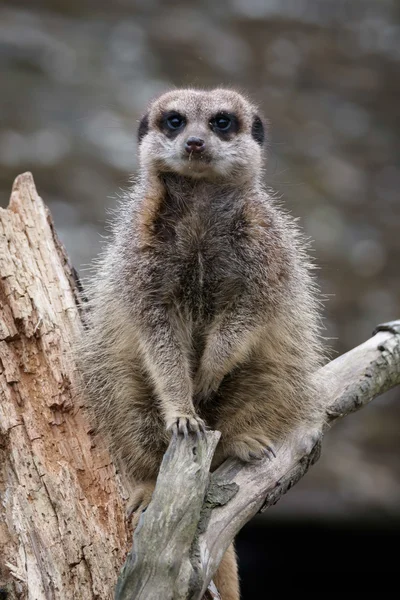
<point>276,557</point>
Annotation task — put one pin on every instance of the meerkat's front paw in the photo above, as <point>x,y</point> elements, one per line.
<point>185,424</point>
<point>249,447</point>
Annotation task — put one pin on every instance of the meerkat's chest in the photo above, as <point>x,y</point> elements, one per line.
<point>206,263</point>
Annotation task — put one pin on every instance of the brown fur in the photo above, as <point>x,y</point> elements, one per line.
<point>226,578</point>
<point>202,308</point>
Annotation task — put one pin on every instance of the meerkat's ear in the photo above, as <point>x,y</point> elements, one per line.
<point>257,130</point>
<point>143,127</point>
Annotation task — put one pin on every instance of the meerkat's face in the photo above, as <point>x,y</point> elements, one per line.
<point>202,134</point>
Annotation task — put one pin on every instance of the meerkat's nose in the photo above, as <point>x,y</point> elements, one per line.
<point>194,144</point>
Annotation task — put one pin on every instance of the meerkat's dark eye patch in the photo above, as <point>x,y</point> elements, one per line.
<point>257,130</point>
<point>224,123</point>
<point>143,127</point>
<point>172,123</point>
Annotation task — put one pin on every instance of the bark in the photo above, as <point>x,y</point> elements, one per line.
<point>63,534</point>
<point>62,528</point>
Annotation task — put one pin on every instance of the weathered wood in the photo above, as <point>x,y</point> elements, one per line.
<point>63,534</point>
<point>166,533</point>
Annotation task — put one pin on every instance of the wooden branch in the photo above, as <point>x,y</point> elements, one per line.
<point>237,492</point>
<point>168,530</point>
<point>63,534</point>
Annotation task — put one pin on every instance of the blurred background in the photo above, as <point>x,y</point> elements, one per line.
<point>75,79</point>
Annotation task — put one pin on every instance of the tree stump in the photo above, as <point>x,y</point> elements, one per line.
<point>62,527</point>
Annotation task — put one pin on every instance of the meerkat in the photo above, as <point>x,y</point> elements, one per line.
<point>203,311</point>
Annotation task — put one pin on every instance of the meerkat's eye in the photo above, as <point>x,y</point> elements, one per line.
<point>175,121</point>
<point>225,125</point>
<point>221,122</point>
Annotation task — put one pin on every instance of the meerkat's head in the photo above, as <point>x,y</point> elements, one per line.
<point>214,134</point>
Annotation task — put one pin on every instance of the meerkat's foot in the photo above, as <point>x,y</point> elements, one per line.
<point>185,424</point>
<point>139,501</point>
<point>249,447</point>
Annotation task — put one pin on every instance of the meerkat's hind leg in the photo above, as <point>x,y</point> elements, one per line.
<point>252,424</point>
<point>226,578</point>
<point>252,446</point>
<point>139,501</point>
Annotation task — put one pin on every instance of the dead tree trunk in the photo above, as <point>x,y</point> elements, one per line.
<point>62,528</point>
<point>63,535</point>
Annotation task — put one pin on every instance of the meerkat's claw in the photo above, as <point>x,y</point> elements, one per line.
<point>185,424</point>
<point>270,452</point>
<point>183,428</point>
<point>202,427</point>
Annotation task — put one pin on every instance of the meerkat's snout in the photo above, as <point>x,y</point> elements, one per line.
<point>195,144</point>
